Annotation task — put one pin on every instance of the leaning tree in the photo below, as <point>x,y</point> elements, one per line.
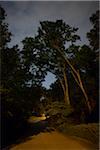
<point>54,40</point>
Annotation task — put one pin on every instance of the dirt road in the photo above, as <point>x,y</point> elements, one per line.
<point>53,141</point>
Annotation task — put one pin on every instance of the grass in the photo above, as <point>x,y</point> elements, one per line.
<point>87,131</point>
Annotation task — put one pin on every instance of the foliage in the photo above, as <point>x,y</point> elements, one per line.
<point>56,33</point>
<point>93,35</point>
<point>51,35</point>
<point>5,35</point>
<point>34,67</point>
<point>86,59</point>
<point>55,92</point>
<point>17,96</point>
<point>44,49</point>
<point>58,112</point>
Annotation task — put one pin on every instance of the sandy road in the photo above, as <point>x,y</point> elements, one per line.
<point>53,141</point>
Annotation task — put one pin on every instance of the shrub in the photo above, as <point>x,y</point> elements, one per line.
<point>58,112</point>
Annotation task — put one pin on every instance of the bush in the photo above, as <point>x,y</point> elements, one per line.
<point>58,112</point>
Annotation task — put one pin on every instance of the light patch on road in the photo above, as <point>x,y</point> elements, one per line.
<point>36,119</point>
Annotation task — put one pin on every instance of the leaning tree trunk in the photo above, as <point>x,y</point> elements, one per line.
<point>66,96</point>
<point>77,78</point>
<point>64,85</point>
<point>65,92</point>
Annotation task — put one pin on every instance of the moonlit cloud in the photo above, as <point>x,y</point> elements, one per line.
<point>23,17</point>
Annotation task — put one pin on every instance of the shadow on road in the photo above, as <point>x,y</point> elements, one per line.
<point>30,130</point>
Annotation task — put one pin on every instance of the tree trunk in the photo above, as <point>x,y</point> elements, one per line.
<point>84,92</point>
<point>62,85</point>
<point>79,82</point>
<point>76,76</point>
<point>66,96</point>
<point>65,87</point>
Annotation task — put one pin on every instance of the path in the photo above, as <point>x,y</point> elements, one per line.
<point>53,141</point>
<point>39,138</point>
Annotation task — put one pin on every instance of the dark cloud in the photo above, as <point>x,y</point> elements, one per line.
<point>24,16</point>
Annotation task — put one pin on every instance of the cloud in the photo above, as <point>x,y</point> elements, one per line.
<point>24,17</point>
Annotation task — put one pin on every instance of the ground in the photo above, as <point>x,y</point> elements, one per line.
<point>52,140</point>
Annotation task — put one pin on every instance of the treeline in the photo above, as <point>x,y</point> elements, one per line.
<point>24,70</point>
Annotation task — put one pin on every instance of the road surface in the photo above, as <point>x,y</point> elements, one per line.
<point>53,141</point>
<point>42,139</point>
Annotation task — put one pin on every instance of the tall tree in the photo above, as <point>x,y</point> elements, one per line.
<point>62,34</point>
<point>93,37</point>
<point>86,59</point>
<point>17,96</point>
<point>52,40</point>
<point>55,36</point>
<point>10,66</point>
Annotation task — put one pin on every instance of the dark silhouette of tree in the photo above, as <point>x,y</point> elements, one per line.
<point>18,94</point>
<point>93,35</point>
<point>10,64</point>
<point>56,91</point>
<point>56,35</point>
<point>48,55</point>
<point>35,69</point>
<point>86,59</point>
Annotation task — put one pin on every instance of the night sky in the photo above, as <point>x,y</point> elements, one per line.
<point>24,17</point>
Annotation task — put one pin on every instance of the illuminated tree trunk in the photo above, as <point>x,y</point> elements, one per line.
<point>65,87</point>
<point>76,76</point>
<point>66,96</point>
<point>62,85</point>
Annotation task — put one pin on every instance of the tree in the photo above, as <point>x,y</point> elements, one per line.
<point>60,33</point>
<point>35,70</point>
<point>55,35</point>
<point>5,35</point>
<point>18,94</point>
<point>51,42</point>
<point>93,35</point>
<point>10,64</point>
<point>56,91</point>
<point>86,59</point>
